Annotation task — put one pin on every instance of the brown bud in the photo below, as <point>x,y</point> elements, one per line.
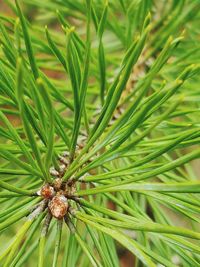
<point>57,183</point>
<point>47,191</point>
<point>70,189</point>
<point>58,206</point>
<point>65,154</point>
<point>53,171</point>
<point>62,168</point>
<point>63,160</point>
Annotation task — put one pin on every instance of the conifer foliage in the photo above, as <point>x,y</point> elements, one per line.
<point>99,133</point>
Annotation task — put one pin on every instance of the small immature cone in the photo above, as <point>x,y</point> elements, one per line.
<point>58,206</point>
<point>46,191</point>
